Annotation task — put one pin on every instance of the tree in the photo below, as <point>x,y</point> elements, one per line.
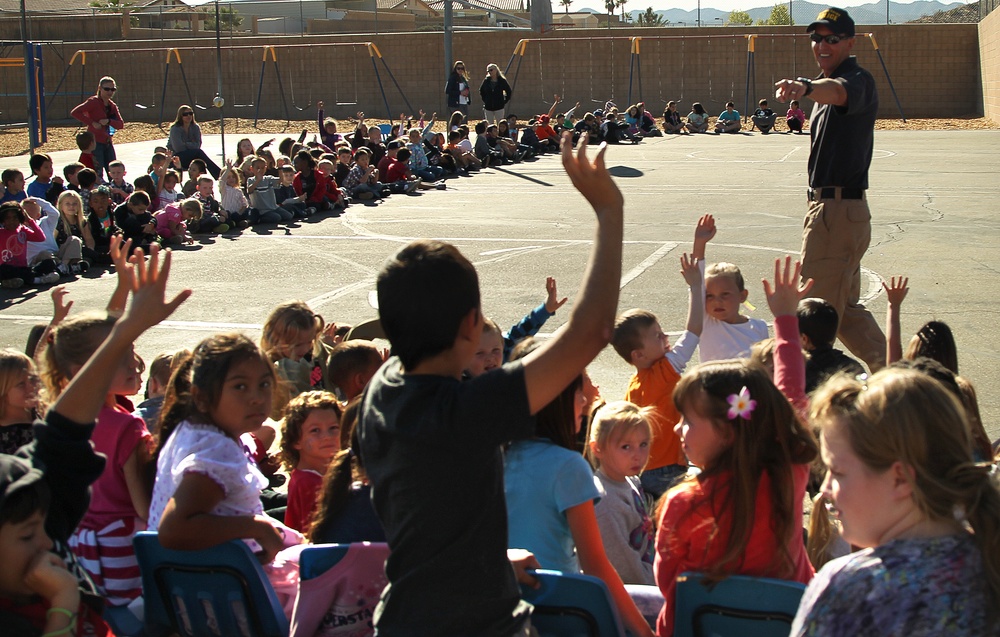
<point>622,3</point>
<point>779,15</point>
<point>651,19</point>
<point>566,4</point>
<point>739,17</point>
<point>229,19</point>
<point>111,6</point>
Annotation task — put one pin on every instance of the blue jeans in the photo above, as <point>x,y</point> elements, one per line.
<point>430,173</point>
<point>655,482</point>
<point>104,154</point>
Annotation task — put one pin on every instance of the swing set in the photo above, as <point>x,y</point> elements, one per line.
<point>272,53</point>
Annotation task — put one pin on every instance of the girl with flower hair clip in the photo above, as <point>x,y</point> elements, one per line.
<point>742,513</point>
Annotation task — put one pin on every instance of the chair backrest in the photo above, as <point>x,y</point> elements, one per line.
<point>738,605</point>
<point>316,560</point>
<point>385,128</point>
<point>572,605</point>
<point>221,591</point>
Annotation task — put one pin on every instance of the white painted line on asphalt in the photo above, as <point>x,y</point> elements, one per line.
<point>647,263</point>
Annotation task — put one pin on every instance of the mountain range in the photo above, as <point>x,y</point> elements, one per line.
<point>802,12</point>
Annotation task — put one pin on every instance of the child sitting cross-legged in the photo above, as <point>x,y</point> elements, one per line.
<point>262,189</point>
<point>310,438</point>
<point>232,199</point>
<point>639,339</point>
<point>16,230</point>
<point>44,491</point>
<point>726,333</point>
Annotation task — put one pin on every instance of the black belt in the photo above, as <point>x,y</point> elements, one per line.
<point>815,194</point>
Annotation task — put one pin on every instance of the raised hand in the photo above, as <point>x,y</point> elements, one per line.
<point>705,230</point>
<point>60,308</point>
<point>552,302</point>
<point>896,290</point>
<point>690,270</point>
<point>319,105</point>
<point>149,285</point>
<point>592,179</point>
<point>783,298</point>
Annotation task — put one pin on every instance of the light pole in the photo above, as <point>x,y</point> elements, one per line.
<point>219,102</point>
<point>699,14</point>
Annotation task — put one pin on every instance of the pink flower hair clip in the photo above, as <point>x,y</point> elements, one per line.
<point>740,405</point>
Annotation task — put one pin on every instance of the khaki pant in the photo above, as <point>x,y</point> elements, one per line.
<point>835,237</point>
<point>69,252</point>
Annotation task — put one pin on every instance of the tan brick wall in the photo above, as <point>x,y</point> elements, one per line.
<point>989,60</point>
<point>935,69</point>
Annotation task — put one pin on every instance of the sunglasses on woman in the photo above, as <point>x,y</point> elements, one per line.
<point>830,39</point>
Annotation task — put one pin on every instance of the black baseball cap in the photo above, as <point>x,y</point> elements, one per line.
<point>15,474</point>
<point>837,20</point>
<point>394,145</point>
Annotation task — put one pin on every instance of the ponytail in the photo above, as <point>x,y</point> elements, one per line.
<point>976,490</point>
<point>177,403</point>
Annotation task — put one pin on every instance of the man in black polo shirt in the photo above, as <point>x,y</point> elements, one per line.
<point>838,225</point>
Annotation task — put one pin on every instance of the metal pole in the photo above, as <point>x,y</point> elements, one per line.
<point>449,28</point>
<point>699,13</point>
<point>219,101</point>
<point>791,21</point>
<point>32,132</point>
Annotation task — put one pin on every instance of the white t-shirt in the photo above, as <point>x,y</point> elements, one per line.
<point>462,89</point>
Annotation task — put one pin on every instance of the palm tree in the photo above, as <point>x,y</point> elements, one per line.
<point>566,4</point>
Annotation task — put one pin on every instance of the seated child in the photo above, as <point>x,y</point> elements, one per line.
<point>146,185</point>
<point>418,414</point>
<point>120,189</point>
<point>727,333</point>
<point>672,122</point>
<point>345,160</point>
<point>70,173</point>
<point>73,227</point>
<point>351,365</point>
<point>743,513</point>
<point>763,118</point>
<point>20,402</point>
<point>310,438</point>
<point>327,128</point>
<point>102,223</point>
<point>196,169</point>
<point>86,142</point>
<point>262,189</point>
<point>818,323</point>
<point>13,184</point>
<point>362,180</point>
<point>44,492</point>
<point>319,188</point>
<point>729,120</point>
<point>398,176</point>
<point>16,230</point>
<point>639,339</point>
<point>214,218</point>
<point>156,387</point>
<point>293,339</point>
<point>87,179</point>
<point>419,164</point>
<point>618,448</point>
<point>168,192</point>
<point>171,222</point>
<point>795,117</point>
<point>68,255</point>
<point>231,198</point>
<point>484,152</point>
<point>135,220</point>
<point>41,168</point>
<point>287,196</point>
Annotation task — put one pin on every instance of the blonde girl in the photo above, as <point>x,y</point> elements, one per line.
<point>743,513</point>
<point>20,403</point>
<point>119,502</point>
<point>618,448</point>
<point>902,482</point>
<point>291,339</point>
<point>73,226</point>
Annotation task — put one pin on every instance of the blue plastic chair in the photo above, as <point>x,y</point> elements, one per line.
<point>735,607</point>
<point>221,591</point>
<point>572,605</point>
<point>385,128</point>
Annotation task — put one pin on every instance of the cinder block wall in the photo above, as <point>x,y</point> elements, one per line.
<point>989,55</point>
<point>935,70</point>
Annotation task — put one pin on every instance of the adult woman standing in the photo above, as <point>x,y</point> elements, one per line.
<point>459,96</point>
<point>102,118</point>
<point>185,140</point>
<point>495,92</point>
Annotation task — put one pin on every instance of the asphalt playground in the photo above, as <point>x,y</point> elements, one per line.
<point>933,198</point>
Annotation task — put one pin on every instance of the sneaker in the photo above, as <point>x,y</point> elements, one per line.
<point>411,186</point>
<point>12,284</point>
<point>45,279</point>
<point>222,227</point>
<point>310,211</point>
<point>82,265</point>
<point>63,269</point>
<point>242,223</point>
<point>441,185</point>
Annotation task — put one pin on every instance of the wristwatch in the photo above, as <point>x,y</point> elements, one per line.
<point>808,83</point>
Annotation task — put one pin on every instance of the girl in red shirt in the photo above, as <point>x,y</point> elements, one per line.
<point>743,513</point>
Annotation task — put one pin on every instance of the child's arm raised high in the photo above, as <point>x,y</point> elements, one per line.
<point>550,368</point>
<point>895,292</point>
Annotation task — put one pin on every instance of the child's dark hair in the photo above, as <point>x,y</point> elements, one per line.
<point>204,369</point>
<point>37,161</point>
<point>145,184</point>
<point>454,135</point>
<point>120,164</point>
<point>304,155</point>
<point>698,108</point>
<point>480,127</point>
<point>70,345</point>
<point>199,164</point>
<point>139,197</point>
<point>296,412</point>
<point>86,177</point>
<point>403,154</point>
<point>25,500</point>
<point>13,208</point>
<point>71,169</point>
<point>424,293</point>
<point>349,358</point>
<point>556,420</point>
<point>84,139</point>
<point>934,340</point>
<point>345,469</point>
<point>770,441</point>
<point>627,334</point>
<point>818,321</point>
<point>172,174</point>
<point>9,175</point>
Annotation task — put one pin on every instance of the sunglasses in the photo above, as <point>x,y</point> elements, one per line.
<point>186,113</point>
<point>109,89</point>
<point>459,68</point>
<point>830,39</point>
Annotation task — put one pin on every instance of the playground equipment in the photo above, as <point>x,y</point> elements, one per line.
<point>34,89</point>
